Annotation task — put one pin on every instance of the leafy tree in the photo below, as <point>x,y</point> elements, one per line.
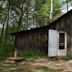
<point>66,3</point>
<point>26,14</point>
<point>43,13</point>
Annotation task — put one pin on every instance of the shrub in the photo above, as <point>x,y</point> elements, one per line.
<point>5,51</point>
<point>68,56</point>
<point>29,53</point>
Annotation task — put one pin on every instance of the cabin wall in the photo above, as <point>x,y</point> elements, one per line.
<point>35,40</point>
<point>38,39</point>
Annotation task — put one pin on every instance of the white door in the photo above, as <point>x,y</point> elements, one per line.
<point>53,43</point>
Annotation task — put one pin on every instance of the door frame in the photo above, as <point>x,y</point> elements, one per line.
<point>65,50</point>
<point>60,52</point>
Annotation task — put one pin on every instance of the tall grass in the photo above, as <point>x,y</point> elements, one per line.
<point>5,51</point>
<point>29,53</point>
<point>68,56</point>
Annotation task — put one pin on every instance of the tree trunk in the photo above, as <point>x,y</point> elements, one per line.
<point>33,6</point>
<point>67,5</point>
<point>2,31</point>
<point>7,24</point>
<point>51,10</point>
<point>20,19</point>
<point>27,15</point>
<point>19,23</point>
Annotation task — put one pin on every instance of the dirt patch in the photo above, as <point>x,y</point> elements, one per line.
<point>64,66</point>
<point>42,63</point>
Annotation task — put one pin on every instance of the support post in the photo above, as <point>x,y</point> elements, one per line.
<point>15,52</point>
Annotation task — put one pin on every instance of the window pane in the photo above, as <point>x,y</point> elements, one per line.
<point>61,40</point>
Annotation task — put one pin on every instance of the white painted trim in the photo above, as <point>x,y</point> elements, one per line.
<point>60,52</point>
<point>64,52</point>
<point>66,42</point>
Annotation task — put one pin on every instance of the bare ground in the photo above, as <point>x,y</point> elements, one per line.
<point>61,65</point>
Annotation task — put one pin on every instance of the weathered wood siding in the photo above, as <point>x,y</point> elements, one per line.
<point>38,39</point>
<point>65,24</point>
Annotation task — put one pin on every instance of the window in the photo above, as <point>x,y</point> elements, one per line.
<point>61,40</point>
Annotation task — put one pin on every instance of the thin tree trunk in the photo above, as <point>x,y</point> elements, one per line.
<point>33,6</point>
<point>19,23</point>
<point>20,20</point>
<point>7,24</point>
<point>51,10</point>
<point>27,12</point>
<point>67,5</point>
<point>26,25</point>
<point>2,31</point>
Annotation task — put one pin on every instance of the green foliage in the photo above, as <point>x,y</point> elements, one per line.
<point>68,57</point>
<point>23,14</point>
<point>5,51</point>
<point>6,48</point>
<point>29,53</point>
<point>43,13</point>
<point>65,3</point>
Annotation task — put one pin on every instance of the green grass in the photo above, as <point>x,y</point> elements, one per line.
<point>5,51</point>
<point>68,56</point>
<point>29,54</point>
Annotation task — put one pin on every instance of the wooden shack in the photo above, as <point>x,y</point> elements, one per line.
<point>52,40</point>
